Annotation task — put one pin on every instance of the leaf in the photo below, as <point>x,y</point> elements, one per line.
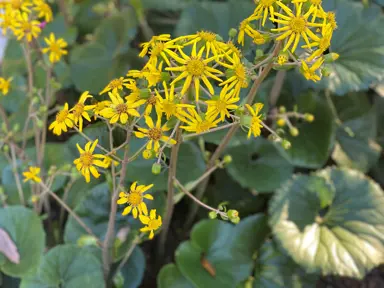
<point>133,270</point>
<point>220,254</point>
<point>26,231</point>
<point>8,247</point>
<point>106,56</point>
<point>312,147</point>
<point>218,17</point>
<point>344,239</point>
<point>67,266</point>
<point>259,165</point>
<point>171,277</point>
<point>359,42</point>
<point>273,269</point>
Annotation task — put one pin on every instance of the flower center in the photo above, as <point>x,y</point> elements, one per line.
<point>316,2</point>
<point>196,67</point>
<point>298,24</point>
<point>86,158</point>
<point>207,36</point>
<point>79,109</point>
<point>155,134</point>
<point>121,108</point>
<point>154,224</point>
<point>152,100</point>
<point>115,83</point>
<point>135,198</point>
<point>267,3</point>
<point>61,116</point>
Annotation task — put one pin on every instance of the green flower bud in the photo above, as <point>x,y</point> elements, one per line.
<point>212,215</point>
<point>148,154</point>
<point>156,168</point>
<point>235,220</point>
<point>227,159</point>
<point>282,110</point>
<point>286,144</point>
<point>331,57</point>
<point>309,117</point>
<point>145,93</point>
<point>232,32</point>
<point>294,131</point>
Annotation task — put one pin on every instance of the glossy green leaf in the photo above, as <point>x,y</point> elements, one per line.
<point>359,41</point>
<point>258,164</point>
<point>171,277</point>
<point>67,266</point>
<point>345,238</point>
<point>26,231</point>
<point>226,249</point>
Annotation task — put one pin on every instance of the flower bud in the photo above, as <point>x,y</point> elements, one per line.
<point>331,57</point>
<point>280,122</point>
<point>294,131</point>
<point>286,144</point>
<point>232,33</point>
<point>232,214</point>
<point>235,220</point>
<point>148,154</point>
<point>227,159</point>
<point>282,109</point>
<point>145,93</point>
<point>156,168</point>
<point>212,215</point>
<point>309,117</point>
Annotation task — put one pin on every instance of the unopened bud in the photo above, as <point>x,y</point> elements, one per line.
<point>280,122</point>
<point>232,32</point>
<point>156,168</point>
<point>212,215</point>
<point>286,144</point>
<point>331,57</point>
<point>309,117</point>
<point>148,154</point>
<point>294,131</point>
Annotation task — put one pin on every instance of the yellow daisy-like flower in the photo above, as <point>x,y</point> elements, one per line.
<point>295,26</point>
<point>100,106</point>
<point>155,134</point>
<point>170,105</point>
<point>207,39</point>
<point>310,72</point>
<point>79,111</point>
<point>316,7</point>
<point>32,174</point>
<point>117,84</point>
<point>135,199</point>
<point>226,101</point>
<point>195,122</point>
<point>323,43</point>
<point>152,42</point>
<point>5,84</point>
<point>43,10</point>
<point>120,110</point>
<point>63,120</point>
<point>255,125</point>
<point>152,223</point>
<point>246,28</point>
<point>195,68</point>
<point>23,27</point>
<point>56,48</point>
<point>239,79</point>
<point>7,20</point>
<point>87,161</point>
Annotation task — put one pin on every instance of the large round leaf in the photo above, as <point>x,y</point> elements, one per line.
<point>359,40</point>
<point>219,253</point>
<point>273,269</point>
<point>26,231</point>
<point>331,222</point>
<point>67,266</point>
<point>259,165</point>
<point>171,277</point>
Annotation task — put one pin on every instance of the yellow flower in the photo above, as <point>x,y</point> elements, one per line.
<point>100,106</point>
<point>315,7</point>
<point>238,80</point>
<point>23,27</point>
<point>135,199</point>
<point>117,84</point>
<point>7,19</point>
<point>195,122</point>
<point>5,85</point>
<point>222,104</point>
<point>265,6</point>
<point>55,47</point>
<point>255,126</point>
<point>154,133</point>
<point>43,10</point>
<point>152,42</point>
<point>80,110</point>
<point>195,68</point>
<point>63,120</point>
<point>207,39</point>
<point>149,72</point>
<point>32,174</point>
<point>120,110</point>
<point>87,161</point>
<point>171,104</point>
<point>295,26</point>
<point>310,73</point>
<point>152,223</point>
<point>323,43</point>
<point>246,28</point>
